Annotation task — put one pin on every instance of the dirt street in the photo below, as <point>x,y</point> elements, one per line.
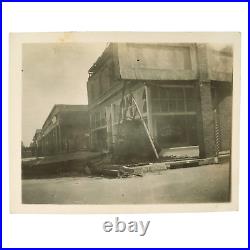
<point>200,184</point>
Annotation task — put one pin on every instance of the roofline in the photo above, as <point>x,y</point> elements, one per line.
<point>50,113</point>
<point>98,60</point>
<point>58,105</point>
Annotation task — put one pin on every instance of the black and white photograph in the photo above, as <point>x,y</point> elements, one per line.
<point>127,122</point>
<point>125,125</point>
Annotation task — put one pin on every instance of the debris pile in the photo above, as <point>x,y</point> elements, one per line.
<point>133,144</point>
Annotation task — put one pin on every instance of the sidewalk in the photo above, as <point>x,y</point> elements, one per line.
<point>81,155</point>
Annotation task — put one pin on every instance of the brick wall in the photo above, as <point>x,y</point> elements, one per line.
<point>225,114</point>
<point>206,121</point>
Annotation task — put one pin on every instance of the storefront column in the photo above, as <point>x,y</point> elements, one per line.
<point>112,123</point>
<point>56,139</point>
<point>60,138</point>
<point>149,110</point>
<point>206,126</point>
<point>205,113</point>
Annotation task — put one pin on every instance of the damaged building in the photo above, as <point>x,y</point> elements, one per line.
<point>181,92</point>
<point>65,130</point>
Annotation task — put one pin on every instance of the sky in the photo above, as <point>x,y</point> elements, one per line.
<point>53,74</point>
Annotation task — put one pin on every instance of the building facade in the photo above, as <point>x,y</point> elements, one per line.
<point>65,130</point>
<point>34,144</point>
<point>183,92</point>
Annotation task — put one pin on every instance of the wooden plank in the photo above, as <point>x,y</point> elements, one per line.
<point>146,128</point>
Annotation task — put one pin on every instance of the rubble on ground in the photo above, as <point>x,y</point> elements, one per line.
<point>104,165</point>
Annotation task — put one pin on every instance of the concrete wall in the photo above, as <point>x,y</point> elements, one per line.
<point>157,61</point>
<point>220,64</point>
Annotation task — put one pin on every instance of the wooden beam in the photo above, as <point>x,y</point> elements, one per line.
<point>146,128</point>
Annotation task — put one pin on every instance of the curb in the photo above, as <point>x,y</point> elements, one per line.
<point>155,167</point>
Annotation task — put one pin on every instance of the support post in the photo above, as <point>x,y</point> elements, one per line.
<point>149,110</point>
<point>146,128</point>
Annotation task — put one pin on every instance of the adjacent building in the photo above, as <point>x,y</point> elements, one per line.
<point>34,144</point>
<point>65,130</point>
<point>183,91</point>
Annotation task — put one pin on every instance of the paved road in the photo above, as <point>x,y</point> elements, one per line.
<point>200,184</point>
